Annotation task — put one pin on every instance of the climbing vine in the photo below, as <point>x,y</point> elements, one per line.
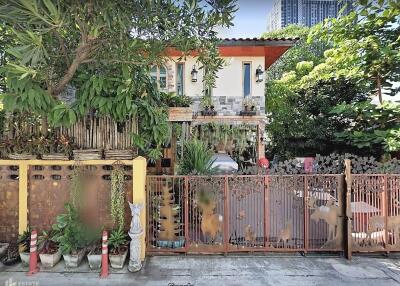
<point>118,195</point>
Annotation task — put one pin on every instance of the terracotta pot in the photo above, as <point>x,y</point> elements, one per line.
<point>94,261</point>
<point>73,260</point>
<point>24,258</point>
<point>118,260</point>
<point>50,260</point>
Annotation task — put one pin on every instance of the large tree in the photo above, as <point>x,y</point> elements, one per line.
<point>366,43</point>
<point>362,59</point>
<point>103,49</point>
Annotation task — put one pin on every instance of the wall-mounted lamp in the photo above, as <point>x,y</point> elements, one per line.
<point>194,74</point>
<point>259,74</point>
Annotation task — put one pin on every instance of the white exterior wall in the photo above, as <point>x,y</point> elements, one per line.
<point>229,80</point>
<point>228,93</point>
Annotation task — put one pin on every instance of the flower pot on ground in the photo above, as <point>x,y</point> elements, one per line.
<point>94,250</point>
<point>24,241</point>
<point>24,258</point>
<point>118,248</point>
<point>49,250</point>
<point>94,255</point>
<point>74,259</point>
<point>71,236</point>
<point>49,260</point>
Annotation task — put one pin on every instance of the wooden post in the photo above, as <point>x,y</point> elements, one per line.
<point>348,240</point>
<point>260,143</point>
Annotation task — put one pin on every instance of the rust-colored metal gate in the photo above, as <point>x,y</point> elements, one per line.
<point>252,213</point>
<point>376,213</point>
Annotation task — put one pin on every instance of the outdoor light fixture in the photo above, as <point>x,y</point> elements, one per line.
<point>259,74</point>
<point>194,74</point>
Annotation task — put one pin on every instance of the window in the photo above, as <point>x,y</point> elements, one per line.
<point>180,79</point>
<point>158,75</point>
<point>207,90</point>
<point>246,79</point>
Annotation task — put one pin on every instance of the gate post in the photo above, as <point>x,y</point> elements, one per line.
<point>348,240</point>
<point>139,195</point>
<point>22,196</point>
<point>226,215</point>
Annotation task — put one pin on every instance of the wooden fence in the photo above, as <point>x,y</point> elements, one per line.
<point>90,132</point>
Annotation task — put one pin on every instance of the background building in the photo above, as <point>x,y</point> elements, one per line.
<point>304,12</point>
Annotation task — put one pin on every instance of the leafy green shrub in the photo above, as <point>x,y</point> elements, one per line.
<point>117,241</point>
<point>118,195</point>
<point>70,232</point>
<point>24,241</point>
<point>171,99</point>
<point>196,158</point>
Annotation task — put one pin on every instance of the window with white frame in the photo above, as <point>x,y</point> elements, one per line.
<point>180,75</point>
<point>158,75</point>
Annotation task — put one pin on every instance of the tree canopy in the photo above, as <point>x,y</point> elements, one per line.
<point>319,100</point>
<point>103,50</point>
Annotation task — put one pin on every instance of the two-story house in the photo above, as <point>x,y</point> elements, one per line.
<point>245,61</point>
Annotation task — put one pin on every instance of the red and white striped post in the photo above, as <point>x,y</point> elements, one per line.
<point>104,256</point>
<point>33,258</point>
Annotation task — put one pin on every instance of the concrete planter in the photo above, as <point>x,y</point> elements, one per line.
<point>50,260</point>
<point>94,261</point>
<point>24,258</point>
<point>118,261</point>
<point>73,260</point>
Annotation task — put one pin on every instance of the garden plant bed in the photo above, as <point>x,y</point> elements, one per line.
<point>180,114</point>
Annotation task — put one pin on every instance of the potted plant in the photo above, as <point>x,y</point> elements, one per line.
<point>50,252</point>
<point>207,104</point>
<point>94,255</point>
<point>21,147</point>
<point>196,159</point>
<point>70,236</point>
<point>178,106</point>
<point>118,247</point>
<point>24,242</point>
<point>57,148</point>
<point>249,106</point>
<point>11,255</point>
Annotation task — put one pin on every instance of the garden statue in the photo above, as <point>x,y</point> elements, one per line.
<point>136,231</point>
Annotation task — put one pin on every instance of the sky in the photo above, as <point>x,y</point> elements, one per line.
<point>250,20</point>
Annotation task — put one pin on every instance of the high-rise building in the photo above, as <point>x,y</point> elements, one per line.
<point>304,12</point>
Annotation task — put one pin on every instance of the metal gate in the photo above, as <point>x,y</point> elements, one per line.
<point>252,213</point>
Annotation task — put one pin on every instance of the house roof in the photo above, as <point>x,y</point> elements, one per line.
<point>259,41</point>
<point>270,48</point>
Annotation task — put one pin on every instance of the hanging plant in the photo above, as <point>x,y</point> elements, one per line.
<point>118,195</point>
<point>76,185</point>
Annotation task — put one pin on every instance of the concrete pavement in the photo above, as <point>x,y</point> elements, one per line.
<point>231,270</point>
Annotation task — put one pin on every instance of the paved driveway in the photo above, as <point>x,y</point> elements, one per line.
<point>215,270</point>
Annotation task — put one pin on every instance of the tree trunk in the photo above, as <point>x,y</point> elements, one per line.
<point>379,85</point>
